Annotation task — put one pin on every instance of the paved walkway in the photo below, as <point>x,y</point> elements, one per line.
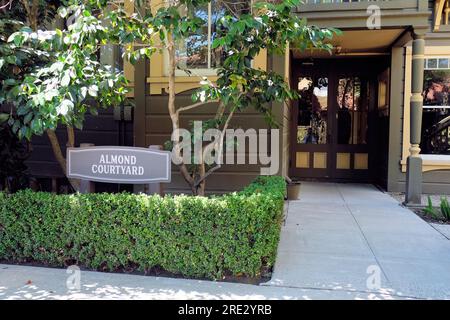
<point>21,282</point>
<point>341,241</point>
<point>342,236</point>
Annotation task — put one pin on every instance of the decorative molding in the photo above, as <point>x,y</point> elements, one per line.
<point>441,12</point>
<point>431,162</point>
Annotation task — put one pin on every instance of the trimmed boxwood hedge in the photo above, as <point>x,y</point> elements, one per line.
<point>234,234</point>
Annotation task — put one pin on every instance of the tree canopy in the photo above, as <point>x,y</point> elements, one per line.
<point>69,80</point>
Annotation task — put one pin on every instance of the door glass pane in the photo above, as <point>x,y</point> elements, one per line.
<point>313,110</point>
<point>352,111</point>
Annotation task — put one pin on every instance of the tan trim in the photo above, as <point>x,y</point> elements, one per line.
<point>418,57</point>
<point>302,160</point>
<point>320,160</point>
<point>430,162</point>
<point>260,61</point>
<point>343,161</point>
<point>361,161</point>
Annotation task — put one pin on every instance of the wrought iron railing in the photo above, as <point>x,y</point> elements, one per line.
<point>437,138</point>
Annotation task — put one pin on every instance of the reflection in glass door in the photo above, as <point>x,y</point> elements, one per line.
<point>351,155</point>
<point>313,111</point>
<point>311,118</point>
<point>352,111</point>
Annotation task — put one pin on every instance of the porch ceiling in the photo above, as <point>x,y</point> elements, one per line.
<point>358,42</point>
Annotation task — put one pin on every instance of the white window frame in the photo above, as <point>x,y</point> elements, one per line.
<point>196,71</point>
<point>431,162</point>
<point>200,72</point>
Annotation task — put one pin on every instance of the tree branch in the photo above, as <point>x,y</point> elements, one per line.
<point>219,165</point>
<point>195,105</point>
<point>9,3</point>
<point>174,115</point>
<point>60,157</point>
<point>70,137</point>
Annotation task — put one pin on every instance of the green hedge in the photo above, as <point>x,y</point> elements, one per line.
<point>233,234</point>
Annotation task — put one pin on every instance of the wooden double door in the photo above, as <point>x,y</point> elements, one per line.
<point>333,125</point>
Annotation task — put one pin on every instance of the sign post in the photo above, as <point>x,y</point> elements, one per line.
<point>86,186</point>
<point>114,164</point>
<point>156,188</point>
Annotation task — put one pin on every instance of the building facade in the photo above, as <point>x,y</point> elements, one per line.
<point>366,108</point>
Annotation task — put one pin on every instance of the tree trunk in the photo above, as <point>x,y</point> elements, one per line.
<point>32,13</point>
<point>202,171</point>
<point>32,10</point>
<point>174,115</point>
<point>56,147</point>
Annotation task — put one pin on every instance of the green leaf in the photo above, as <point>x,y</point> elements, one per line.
<point>36,125</point>
<point>83,92</point>
<point>3,117</point>
<point>18,39</point>
<point>28,118</point>
<point>9,82</point>
<point>62,11</point>
<point>93,90</point>
<point>65,107</point>
<point>65,81</point>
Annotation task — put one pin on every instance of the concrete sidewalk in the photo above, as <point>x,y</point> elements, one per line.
<point>342,236</point>
<point>23,282</point>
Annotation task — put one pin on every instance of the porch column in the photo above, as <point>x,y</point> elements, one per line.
<point>414,163</point>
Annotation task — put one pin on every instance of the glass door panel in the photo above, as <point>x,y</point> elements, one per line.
<point>312,111</point>
<point>352,113</point>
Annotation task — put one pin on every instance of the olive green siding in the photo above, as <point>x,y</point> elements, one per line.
<point>158,129</point>
<point>396,180</point>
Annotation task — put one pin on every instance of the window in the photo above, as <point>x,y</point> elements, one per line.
<point>436,112</point>
<point>195,54</point>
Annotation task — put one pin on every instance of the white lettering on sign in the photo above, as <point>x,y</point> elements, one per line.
<point>117,164</point>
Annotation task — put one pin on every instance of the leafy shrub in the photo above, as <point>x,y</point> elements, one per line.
<point>443,212</point>
<point>233,234</point>
<point>445,208</point>
<point>430,210</point>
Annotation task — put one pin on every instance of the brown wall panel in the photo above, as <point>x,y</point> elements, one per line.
<point>219,182</point>
<point>158,130</point>
<point>100,130</point>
